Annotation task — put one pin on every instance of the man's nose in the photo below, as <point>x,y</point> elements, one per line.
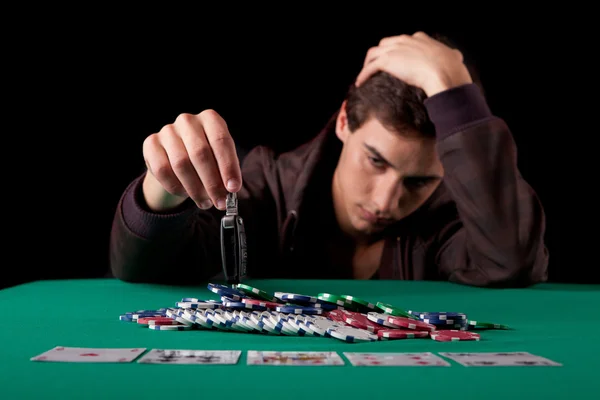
<point>387,196</point>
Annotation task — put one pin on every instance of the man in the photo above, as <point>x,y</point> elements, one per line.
<point>412,179</point>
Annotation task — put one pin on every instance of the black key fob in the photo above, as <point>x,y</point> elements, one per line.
<point>233,248</point>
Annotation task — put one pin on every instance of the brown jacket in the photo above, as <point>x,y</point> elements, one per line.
<point>483,226</point>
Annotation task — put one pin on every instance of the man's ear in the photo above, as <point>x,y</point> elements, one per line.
<point>341,123</point>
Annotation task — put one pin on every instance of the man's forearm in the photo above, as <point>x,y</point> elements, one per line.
<point>502,220</point>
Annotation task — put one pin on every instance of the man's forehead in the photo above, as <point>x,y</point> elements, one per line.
<point>402,152</point>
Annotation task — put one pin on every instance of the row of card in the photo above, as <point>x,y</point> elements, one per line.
<point>310,358</point>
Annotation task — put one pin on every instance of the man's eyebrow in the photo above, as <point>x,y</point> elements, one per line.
<point>415,177</point>
<point>377,154</point>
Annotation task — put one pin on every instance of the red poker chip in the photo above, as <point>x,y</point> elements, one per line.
<point>361,321</point>
<point>147,320</point>
<point>402,334</point>
<point>453,335</point>
<point>262,303</point>
<point>336,315</point>
<point>408,323</point>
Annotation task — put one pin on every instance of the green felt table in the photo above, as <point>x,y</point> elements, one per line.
<point>557,321</point>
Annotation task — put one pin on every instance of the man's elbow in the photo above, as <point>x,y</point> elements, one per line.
<point>518,272</point>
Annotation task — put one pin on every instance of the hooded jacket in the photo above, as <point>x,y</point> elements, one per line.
<point>483,226</point>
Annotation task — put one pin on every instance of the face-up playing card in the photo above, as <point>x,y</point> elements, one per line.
<point>396,360</point>
<point>161,356</point>
<point>504,359</point>
<point>314,358</point>
<point>89,355</point>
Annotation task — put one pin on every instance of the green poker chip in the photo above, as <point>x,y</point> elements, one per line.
<point>486,325</point>
<point>393,310</point>
<point>256,293</point>
<point>332,298</point>
<point>358,303</point>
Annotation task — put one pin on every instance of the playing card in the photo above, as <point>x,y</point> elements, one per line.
<point>162,356</point>
<point>503,359</point>
<point>396,359</point>
<point>293,358</point>
<point>89,355</point>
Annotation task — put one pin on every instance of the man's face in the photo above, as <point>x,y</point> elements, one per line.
<point>381,176</point>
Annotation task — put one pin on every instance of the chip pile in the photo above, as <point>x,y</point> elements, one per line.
<point>244,308</point>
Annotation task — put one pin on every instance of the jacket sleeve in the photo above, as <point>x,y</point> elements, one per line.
<point>498,239</point>
<point>184,245</point>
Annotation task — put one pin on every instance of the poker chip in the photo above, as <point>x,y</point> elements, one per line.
<point>153,320</point>
<point>351,335</point>
<point>243,305</point>
<point>170,327</point>
<point>359,320</point>
<point>226,291</point>
<point>299,310</point>
<point>393,310</point>
<point>358,304</point>
<point>255,292</point>
<point>198,304</point>
<point>381,319</point>
<point>249,310</point>
<point>261,303</point>
<point>401,334</point>
<point>332,298</point>
<point>453,335</point>
<point>295,297</point>
<point>321,326</point>
<point>403,322</point>
<point>336,315</point>
<point>486,325</point>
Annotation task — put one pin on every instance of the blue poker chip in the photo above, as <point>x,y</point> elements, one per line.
<point>326,306</point>
<point>437,321</point>
<point>307,301</point>
<point>226,291</point>
<point>199,304</point>
<point>295,297</point>
<point>135,316</point>
<point>299,310</point>
<point>238,305</point>
<point>438,315</point>
<point>158,311</point>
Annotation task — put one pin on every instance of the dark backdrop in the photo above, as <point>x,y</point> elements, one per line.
<point>90,92</point>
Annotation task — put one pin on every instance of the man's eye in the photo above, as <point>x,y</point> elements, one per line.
<point>378,162</point>
<point>417,183</point>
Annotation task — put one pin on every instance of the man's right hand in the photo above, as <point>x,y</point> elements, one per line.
<point>194,157</point>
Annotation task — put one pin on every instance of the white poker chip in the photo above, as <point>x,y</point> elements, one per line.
<point>381,319</point>
<point>321,326</point>
<point>352,335</point>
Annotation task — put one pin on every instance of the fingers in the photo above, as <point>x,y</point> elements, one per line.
<point>373,53</point>
<point>158,164</point>
<point>377,64</point>
<point>194,136</point>
<point>182,167</point>
<point>224,151</point>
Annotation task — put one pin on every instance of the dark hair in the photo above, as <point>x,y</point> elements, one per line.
<point>397,105</point>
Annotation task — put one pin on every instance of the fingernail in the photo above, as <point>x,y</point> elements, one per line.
<point>206,204</point>
<point>221,204</point>
<point>232,184</point>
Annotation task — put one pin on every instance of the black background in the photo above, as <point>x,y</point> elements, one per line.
<point>88,91</point>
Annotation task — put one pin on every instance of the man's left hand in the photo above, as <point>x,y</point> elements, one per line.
<point>418,60</point>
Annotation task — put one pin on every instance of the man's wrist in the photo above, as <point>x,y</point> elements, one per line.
<point>157,198</point>
<point>440,82</point>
